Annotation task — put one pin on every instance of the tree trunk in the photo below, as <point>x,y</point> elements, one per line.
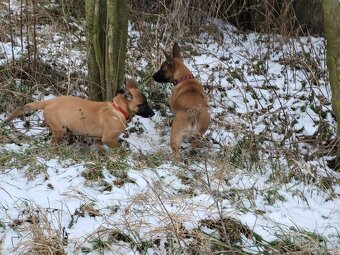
<point>116,39</point>
<point>106,31</point>
<point>331,17</point>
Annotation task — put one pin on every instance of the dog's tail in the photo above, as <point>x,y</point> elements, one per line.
<point>26,108</point>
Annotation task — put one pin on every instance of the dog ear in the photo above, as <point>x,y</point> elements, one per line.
<point>176,51</point>
<point>131,84</point>
<point>168,57</point>
<point>126,93</point>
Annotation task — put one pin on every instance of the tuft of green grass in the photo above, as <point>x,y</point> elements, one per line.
<point>25,161</point>
<point>245,152</point>
<point>272,196</point>
<point>300,243</point>
<point>152,160</point>
<point>99,245</point>
<point>93,175</point>
<point>92,172</point>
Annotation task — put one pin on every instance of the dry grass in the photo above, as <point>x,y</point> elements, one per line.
<point>252,152</point>
<point>41,236</point>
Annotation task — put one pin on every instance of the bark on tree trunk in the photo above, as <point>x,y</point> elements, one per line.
<point>331,17</point>
<point>116,39</point>
<point>106,31</point>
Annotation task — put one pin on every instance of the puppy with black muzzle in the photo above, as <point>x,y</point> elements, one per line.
<point>188,101</point>
<point>103,121</point>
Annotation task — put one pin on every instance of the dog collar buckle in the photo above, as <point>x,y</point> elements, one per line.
<point>183,78</point>
<point>118,108</point>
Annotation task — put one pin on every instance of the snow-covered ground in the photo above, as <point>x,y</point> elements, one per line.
<point>267,95</point>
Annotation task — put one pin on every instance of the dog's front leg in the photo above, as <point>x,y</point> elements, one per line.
<point>101,149</point>
<point>112,142</point>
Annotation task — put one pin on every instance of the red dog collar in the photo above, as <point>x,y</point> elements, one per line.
<point>126,115</point>
<point>183,78</point>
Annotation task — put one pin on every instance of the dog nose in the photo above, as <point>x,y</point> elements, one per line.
<point>156,76</point>
<point>152,113</point>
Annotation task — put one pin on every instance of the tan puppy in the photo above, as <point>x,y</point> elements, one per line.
<point>187,101</point>
<point>104,121</point>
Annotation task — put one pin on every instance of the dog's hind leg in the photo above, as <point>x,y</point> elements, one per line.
<point>57,135</point>
<point>201,123</point>
<point>177,133</point>
<point>58,130</point>
<point>175,142</point>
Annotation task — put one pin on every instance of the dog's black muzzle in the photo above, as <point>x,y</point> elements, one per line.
<point>147,112</point>
<point>144,110</point>
<point>160,77</point>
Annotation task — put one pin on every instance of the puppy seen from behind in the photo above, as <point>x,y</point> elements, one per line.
<point>187,101</point>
